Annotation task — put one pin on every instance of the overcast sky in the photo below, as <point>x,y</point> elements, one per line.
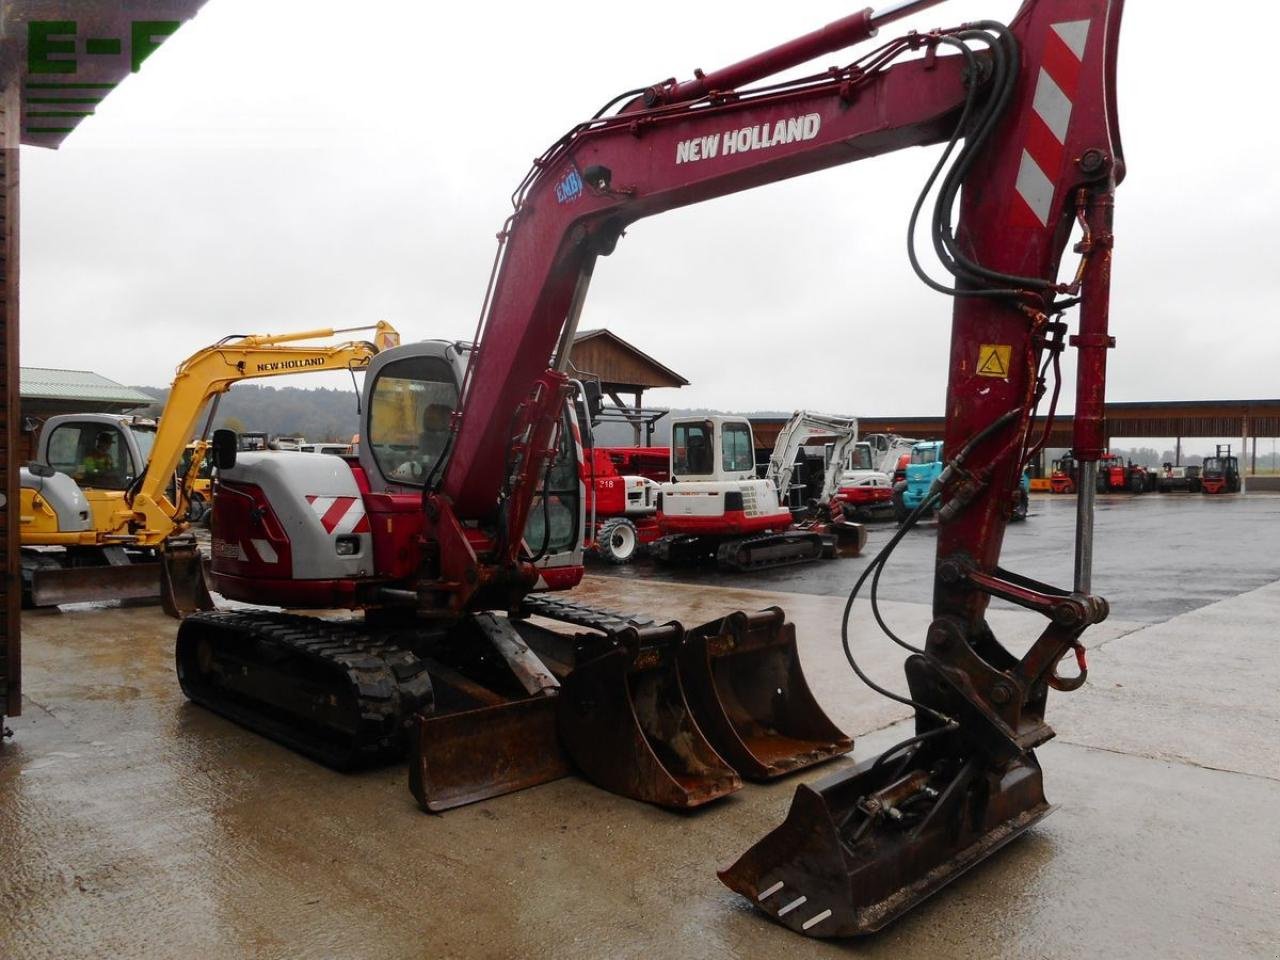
<point>282,164</point>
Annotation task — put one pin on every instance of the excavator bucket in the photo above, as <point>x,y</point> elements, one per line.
<point>861,847</point>
<point>850,537</point>
<point>623,717</point>
<point>184,588</point>
<point>742,679</point>
<point>625,722</point>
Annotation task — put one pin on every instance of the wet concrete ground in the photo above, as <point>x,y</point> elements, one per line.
<point>134,824</point>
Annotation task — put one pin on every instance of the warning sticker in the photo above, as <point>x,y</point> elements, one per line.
<point>993,359</point>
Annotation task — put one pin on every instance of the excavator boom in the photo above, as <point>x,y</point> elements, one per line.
<point>471,521</point>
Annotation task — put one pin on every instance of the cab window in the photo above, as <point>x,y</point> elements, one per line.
<point>735,448</point>
<point>691,450</point>
<point>410,417</point>
<point>927,454</point>
<point>552,526</point>
<point>94,454</point>
<point>860,458</point>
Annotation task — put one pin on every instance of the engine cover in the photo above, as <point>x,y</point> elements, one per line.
<point>280,518</point>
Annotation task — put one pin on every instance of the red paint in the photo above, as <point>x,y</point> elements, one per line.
<point>562,578</point>
<point>395,520</point>
<point>837,35</point>
<point>242,511</point>
<point>862,496</point>
<point>627,167</point>
<point>731,523</point>
<point>312,594</point>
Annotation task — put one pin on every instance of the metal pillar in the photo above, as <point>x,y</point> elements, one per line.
<point>1244,449</point>
<point>10,411</point>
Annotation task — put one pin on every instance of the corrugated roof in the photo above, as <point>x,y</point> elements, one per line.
<point>46,383</point>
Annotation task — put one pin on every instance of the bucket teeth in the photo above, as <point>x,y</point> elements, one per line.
<point>861,847</point>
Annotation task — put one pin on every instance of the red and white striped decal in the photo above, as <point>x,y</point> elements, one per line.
<point>340,514</point>
<point>1050,119</point>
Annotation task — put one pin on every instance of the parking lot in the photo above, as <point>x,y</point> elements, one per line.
<point>141,824</point>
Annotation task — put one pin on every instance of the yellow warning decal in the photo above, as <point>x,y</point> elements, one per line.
<point>993,359</point>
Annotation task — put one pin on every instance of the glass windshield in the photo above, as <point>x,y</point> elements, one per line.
<point>1212,463</point>
<point>927,454</point>
<point>410,415</point>
<point>145,438</point>
<point>94,454</point>
<point>736,449</point>
<point>691,450</point>
<point>555,508</point>
<point>860,458</point>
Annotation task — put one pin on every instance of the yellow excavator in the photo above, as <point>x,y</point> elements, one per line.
<point>105,499</point>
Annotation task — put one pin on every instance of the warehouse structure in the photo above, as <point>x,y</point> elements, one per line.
<point>53,72</point>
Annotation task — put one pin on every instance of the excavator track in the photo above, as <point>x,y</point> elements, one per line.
<point>579,615</point>
<point>775,550</point>
<point>340,693</point>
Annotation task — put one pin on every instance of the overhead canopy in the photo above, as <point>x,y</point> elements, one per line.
<point>619,365</point>
<point>68,56</point>
<point>81,390</point>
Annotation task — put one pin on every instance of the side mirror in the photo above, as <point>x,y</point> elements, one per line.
<point>223,449</point>
<point>594,397</point>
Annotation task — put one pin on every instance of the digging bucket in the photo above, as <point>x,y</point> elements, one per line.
<point>742,679</point>
<point>184,588</point>
<point>625,722</point>
<point>861,847</point>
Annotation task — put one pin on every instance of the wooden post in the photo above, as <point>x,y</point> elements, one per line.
<point>10,409</point>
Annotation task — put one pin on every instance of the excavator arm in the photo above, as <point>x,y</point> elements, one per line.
<point>797,431</point>
<point>205,376</point>
<point>1028,116</point>
<point>648,707</point>
<point>1015,222</point>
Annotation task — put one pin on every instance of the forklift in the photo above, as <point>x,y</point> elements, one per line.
<point>1221,472</point>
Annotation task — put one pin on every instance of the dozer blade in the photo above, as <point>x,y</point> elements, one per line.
<point>859,848</point>
<point>498,746</point>
<point>741,676</point>
<point>184,588</point>
<point>51,586</point>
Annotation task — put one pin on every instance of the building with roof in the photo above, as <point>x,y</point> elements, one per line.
<point>622,368</point>
<point>46,392</point>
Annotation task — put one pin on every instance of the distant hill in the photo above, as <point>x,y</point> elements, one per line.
<point>318,413</point>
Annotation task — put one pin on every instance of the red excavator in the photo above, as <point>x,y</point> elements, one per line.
<point>465,500</point>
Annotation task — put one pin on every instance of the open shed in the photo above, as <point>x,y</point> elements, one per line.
<point>58,61</point>
<point>621,368</point>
